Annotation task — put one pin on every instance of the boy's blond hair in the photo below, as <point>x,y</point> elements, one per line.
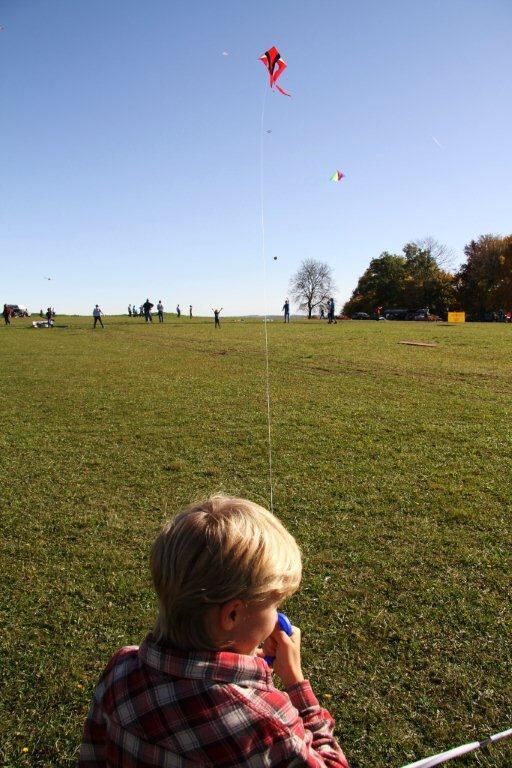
<point>216,550</point>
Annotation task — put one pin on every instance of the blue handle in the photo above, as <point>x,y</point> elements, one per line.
<point>285,626</point>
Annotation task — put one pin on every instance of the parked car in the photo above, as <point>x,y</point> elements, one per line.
<point>361,316</point>
<point>18,310</point>
<point>395,314</point>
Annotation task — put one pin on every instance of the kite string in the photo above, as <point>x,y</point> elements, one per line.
<point>263,256</point>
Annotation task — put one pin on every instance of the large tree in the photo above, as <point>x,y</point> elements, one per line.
<point>382,284</point>
<point>312,285</point>
<point>484,282</point>
<point>410,281</point>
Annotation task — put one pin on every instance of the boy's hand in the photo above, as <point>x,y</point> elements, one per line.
<point>286,651</point>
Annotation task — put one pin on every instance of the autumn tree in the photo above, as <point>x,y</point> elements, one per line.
<point>312,285</point>
<point>484,282</point>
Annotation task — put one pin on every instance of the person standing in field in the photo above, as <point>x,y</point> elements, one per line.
<point>330,310</point>
<point>7,314</point>
<point>49,317</point>
<point>97,313</point>
<point>178,310</point>
<point>286,309</point>
<point>216,313</point>
<point>147,307</point>
<point>190,311</point>
<point>160,308</point>
<point>129,310</point>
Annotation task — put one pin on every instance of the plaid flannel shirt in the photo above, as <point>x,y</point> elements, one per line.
<point>158,707</point>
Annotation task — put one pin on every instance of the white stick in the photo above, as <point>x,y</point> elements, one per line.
<point>451,754</point>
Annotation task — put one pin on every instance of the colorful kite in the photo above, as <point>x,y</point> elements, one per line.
<point>337,176</point>
<point>275,65</point>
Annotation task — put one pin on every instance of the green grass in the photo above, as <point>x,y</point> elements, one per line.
<point>392,467</point>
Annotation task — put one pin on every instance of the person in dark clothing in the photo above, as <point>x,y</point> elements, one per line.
<point>286,309</point>
<point>216,313</point>
<point>330,311</point>
<point>97,313</point>
<point>49,317</point>
<point>147,307</point>
<point>190,311</point>
<point>7,314</point>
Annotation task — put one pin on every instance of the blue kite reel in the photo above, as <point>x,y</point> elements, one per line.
<point>285,626</point>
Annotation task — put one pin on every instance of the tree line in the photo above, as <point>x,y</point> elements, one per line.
<point>420,276</point>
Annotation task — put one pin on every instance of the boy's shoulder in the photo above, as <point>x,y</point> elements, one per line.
<point>119,665</point>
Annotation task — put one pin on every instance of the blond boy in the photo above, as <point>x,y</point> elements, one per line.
<point>198,691</point>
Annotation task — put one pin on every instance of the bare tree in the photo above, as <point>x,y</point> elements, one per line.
<point>444,256</point>
<point>312,285</point>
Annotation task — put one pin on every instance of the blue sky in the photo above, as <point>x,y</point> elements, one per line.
<point>130,156</point>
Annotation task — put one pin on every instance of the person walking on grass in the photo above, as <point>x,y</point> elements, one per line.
<point>49,317</point>
<point>7,314</point>
<point>160,308</point>
<point>190,311</point>
<point>216,313</point>
<point>178,310</point>
<point>147,307</point>
<point>97,313</point>
<point>286,309</point>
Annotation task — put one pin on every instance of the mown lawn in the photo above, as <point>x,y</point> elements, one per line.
<point>392,467</point>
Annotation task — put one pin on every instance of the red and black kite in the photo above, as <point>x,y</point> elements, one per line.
<point>275,65</point>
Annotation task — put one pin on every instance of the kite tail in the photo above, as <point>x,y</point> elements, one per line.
<point>281,90</point>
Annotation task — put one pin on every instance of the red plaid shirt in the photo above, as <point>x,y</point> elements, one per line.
<point>157,707</point>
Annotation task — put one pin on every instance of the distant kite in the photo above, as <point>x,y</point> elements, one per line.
<point>225,53</point>
<point>337,176</point>
<point>275,66</point>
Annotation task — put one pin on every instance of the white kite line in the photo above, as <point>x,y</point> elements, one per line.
<point>264,260</point>
<point>464,749</point>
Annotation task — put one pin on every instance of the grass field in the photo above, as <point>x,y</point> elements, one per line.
<point>392,467</point>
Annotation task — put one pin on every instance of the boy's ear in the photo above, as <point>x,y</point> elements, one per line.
<point>230,614</point>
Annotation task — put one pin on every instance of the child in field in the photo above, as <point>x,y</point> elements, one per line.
<point>198,691</point>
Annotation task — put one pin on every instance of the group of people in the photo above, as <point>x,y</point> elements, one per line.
<point>144,310</point>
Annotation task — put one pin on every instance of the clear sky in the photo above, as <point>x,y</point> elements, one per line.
<point>130,144</point>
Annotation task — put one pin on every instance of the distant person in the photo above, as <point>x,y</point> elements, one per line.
<point>129,310</point>
<point>49,316</point>
<point>160,310</point>
<point>178,310</point>
<point>7,314</point>
<point>97,313</point>
<point>190,311</point>
<point>286,309</point>
<point>322,313</point>
<point>141,310</point>
<point>146,308</point>
<point>216,313</point>
<point>330,311</point>
<point>41,312</point>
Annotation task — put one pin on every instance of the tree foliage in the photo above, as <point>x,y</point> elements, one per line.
<point>312,285</point>
<point>484,282</point>
<point>410,281</point>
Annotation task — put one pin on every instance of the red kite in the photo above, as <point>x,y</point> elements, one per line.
<point>275,65</point>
